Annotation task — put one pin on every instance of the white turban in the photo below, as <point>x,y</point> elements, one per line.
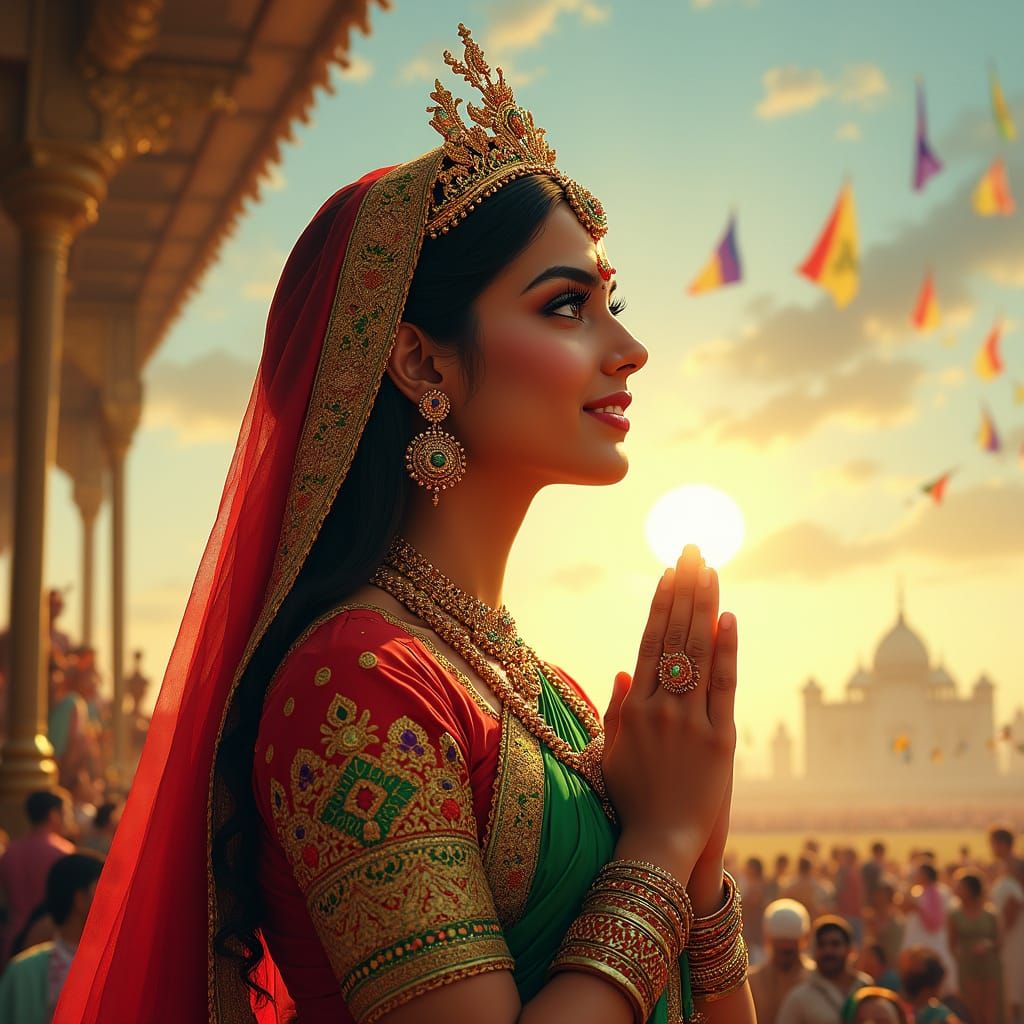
<point>786,919</point>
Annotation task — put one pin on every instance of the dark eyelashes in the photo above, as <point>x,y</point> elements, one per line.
<point>577,298</point>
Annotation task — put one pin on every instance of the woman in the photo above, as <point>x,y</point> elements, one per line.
<point>926,921</point>
<point>974,941</point>
<point>411,817</point>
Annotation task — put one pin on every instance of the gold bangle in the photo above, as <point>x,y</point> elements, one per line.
<point>717,953</point>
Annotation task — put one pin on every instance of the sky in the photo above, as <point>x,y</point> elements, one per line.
<point>821,423</point>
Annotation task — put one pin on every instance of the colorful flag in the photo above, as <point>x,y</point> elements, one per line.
<point>1018,394</point>
<point>901,743</point>
<point>936,490</point>
<point>992,196</point>
<point>988,363</point>
<point>833,262</point>
<point>1000,111</point>
<point>926,163</point>
<point>988,436</point>
<point>926,313</point>
<point>724,266</point>
<point>936,755</point>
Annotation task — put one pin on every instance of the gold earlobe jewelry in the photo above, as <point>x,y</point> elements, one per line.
<point>435,459</point>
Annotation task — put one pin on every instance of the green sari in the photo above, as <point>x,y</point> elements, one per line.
<point>550,834</point>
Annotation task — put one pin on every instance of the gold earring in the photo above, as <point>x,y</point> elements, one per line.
<point>435,459</point>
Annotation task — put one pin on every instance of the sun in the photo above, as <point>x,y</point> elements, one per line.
<point>695,514</point>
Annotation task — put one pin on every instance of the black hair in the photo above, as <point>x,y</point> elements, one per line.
<point>973,882</point>
<point>104,813</point>
<point>40,804</point>
<point>366,514</point>
<point>920,970</point>
<point>71,874</point>
<point>929,872</point>
<point>834,923</point>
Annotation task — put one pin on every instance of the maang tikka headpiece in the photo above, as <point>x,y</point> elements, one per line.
<point>478,163</point>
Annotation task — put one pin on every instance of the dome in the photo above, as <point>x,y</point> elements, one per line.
<point>941,678</point>
<point>901,652</point>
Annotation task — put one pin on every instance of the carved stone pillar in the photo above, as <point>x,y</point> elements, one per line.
<point>50,196</point>
<point>122,408</point>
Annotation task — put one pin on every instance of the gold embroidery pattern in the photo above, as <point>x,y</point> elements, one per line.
<point>512,845</point>
<point>381,837</point>
<point>372,289</point>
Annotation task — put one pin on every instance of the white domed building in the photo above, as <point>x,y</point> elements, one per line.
<point>903,726</point>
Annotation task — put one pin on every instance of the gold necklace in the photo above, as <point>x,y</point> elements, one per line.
<point>421,601</point>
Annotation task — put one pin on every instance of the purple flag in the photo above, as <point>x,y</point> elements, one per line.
<point>926,163</point>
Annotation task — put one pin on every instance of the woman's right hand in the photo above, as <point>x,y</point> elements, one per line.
<point>668,757</point>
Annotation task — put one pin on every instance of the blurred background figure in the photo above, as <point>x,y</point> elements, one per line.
<point>874,961</point>
<point>807,889</point>
<point>849,891</point>
<point>1008,900</point>
<point>974,941</point>
<point>820,998</point>
<point>876,1005</point>
<point>883,921</point>
<point>923,975</point>
<point>753,890</point>
<point>27,860</point>
<point>786,928</point>
<point>31,983</point>
<point>927,918</point>
<point>873,870</point>
<point>100,834</point>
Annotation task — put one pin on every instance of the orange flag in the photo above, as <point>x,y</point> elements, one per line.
<point>926,313</point>
<point>988,363</point>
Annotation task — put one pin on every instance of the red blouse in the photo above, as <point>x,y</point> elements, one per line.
<point>374,771</point>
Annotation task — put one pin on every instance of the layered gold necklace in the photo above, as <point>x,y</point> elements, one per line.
<point>472,627</point>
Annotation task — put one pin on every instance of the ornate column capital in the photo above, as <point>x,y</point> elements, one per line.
<point>139,108</point>
<point>56,187</point>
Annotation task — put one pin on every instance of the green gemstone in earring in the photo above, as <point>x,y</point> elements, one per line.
<point>438,459</point>
<point>676,670</point>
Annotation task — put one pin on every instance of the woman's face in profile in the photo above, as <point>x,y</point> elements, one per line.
<point>550,345</point>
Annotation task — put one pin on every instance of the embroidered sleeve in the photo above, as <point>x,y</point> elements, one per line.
<point>370,798</point>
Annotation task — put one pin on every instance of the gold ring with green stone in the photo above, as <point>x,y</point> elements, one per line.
<point>677,672</point>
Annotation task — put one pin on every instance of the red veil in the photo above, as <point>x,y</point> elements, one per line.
<point>146,954</point>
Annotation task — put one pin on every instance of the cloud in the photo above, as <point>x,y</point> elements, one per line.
<point>862,84</point>
<point>849,132</point>
<point>355,69</point>
<point>522,26</point>
<point>806,353</point>
<point>579,577</point>
<point>974,132</point>
<point>515,27</point>
<point>203,399</point>
<point>977,524</point>
<point>874,392</point>
<point>791,89</point>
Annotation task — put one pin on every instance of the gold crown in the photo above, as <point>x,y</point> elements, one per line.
<point>478,164</point>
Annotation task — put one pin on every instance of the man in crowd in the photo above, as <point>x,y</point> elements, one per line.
<point>819,999</point>
<point>23,868</point>
<point>786,930</point>
<point>873,870</point>
<point>31,983</point>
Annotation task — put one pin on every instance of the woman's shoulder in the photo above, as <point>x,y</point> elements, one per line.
<point>351,644</point>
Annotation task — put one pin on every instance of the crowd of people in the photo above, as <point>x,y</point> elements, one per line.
<point>79,717</point>
<point>833,938</point>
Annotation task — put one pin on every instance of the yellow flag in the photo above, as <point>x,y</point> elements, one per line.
<point>834,262</point>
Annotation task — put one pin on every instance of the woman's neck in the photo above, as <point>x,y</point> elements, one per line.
<point>470,533</point>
